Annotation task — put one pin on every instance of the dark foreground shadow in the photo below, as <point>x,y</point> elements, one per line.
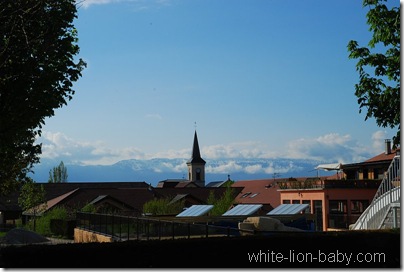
<point>350,249</point>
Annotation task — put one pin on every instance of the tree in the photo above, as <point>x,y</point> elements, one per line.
<point>31,197</point>
<point>89,208</point>
<point>38,46</point>
<point>221,205</point>
<point>58,174</point>
<point>380,93</point>
<point>163,206</point>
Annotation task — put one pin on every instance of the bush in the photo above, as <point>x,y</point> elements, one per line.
<point>62,228</point>
<point>43,223</point>
<point>162,206</point>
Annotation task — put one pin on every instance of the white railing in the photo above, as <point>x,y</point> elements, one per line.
<point>388,192</point>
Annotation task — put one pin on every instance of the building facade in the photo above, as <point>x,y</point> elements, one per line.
<point>337,201</point>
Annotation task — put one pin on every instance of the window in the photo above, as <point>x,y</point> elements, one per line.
<point>338,206</point>
<point>286,201</point>
<point>318,211</point>
<point>296,201</point>
<point>246,194</point>
<point>351,174</point>
<point>318,206</point>
<point>365,174</point>
<point>359,206</point>
<point>338,216</point>
<point>254,195</point>
<point>375,173</point>
<point>378,173</point>
<point>308,210</point>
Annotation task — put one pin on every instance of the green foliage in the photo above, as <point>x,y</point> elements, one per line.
<point>31,196</point>
<point>211,200</point>
<point>222,204</point>
<point>58,174</point>
<point>104,208</point>
<point>162,206</point>
<point>43,223</point>
<point>58,213</point>
<point>89,208</point>
<point>378,89</point>
<point>38,65</point>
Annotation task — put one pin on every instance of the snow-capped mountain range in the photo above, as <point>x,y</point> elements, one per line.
<point>154,170</point>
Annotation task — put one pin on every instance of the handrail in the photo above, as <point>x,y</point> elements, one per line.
<point>122,228</point>
<point>387,193</point>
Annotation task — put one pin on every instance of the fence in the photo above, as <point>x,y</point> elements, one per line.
<point>122,228</point>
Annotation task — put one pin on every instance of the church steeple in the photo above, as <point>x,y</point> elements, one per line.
<point>196,165</point>
<point>196,154</point>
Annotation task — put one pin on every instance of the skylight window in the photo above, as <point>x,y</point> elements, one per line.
<point>254,195</point>
<point>246,194</point>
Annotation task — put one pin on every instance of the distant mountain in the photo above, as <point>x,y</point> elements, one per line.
<point>154,170</point>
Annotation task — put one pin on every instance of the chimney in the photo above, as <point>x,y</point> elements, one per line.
<point>387,144</point>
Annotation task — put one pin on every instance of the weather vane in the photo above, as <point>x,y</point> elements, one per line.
<point>195,125</point>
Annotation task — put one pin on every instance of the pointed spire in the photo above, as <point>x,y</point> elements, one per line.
<point>196,154</point>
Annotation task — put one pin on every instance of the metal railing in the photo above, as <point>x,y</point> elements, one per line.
<point>123,228</point>
<point>388,193</point>
<point>329,184</point>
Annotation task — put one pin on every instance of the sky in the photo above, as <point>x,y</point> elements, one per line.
<point>254,78</point>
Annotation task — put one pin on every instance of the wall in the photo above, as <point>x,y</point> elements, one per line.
<point>326,195</point>
<point>84,236</point>
<point>308,195</point>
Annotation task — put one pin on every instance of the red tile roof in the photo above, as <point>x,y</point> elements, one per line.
<point>78,198</point>
<point>201,193</point>
<point>383,156</point>
<point>264,191</point>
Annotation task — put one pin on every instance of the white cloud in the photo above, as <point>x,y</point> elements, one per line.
<point>263,167</point>
<point>179,168</point>
<point>331,147</point>
<point>378,140</point>
<point>237,150</point>
<point>138,4</point>
<point>88,3</point>
<point>268,168</point>
<point>154,116</point>
<point>227,167</point>
<point>252,169</point>
<point>271,169</point>
<point>59,146</point>
<point>173,154</point>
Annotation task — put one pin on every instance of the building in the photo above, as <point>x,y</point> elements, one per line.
<point>338,202</point>
<point>373,168</point>
<point>126,198</point>
<point>196,171</point>
<point>262,191</point>
<point>196,165</point>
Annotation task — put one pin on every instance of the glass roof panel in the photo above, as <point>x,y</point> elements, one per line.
<point>284,209</point>
<point>243,209</point>
<point>195,210</point>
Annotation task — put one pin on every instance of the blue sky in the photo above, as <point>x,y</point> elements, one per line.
<point>261,79</point>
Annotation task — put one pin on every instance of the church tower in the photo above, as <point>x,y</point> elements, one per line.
<point>196,165</point>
